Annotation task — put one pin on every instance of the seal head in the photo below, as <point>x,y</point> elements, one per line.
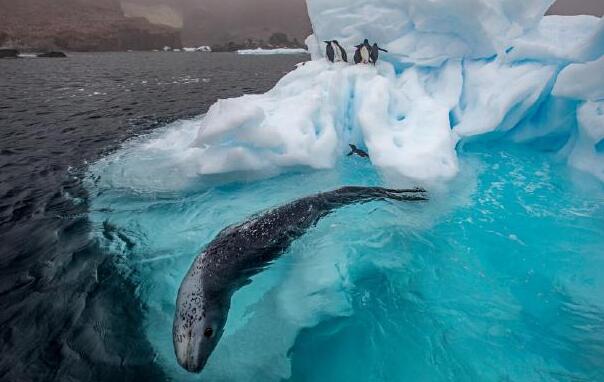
<point>198,322</point>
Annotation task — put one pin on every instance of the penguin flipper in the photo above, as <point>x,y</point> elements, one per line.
<point>344,56</point>
<point>350,154</point>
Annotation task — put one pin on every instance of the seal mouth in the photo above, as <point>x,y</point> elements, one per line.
<point>192,366</point>
<point>189,357</point>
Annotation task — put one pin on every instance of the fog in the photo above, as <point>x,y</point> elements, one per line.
<point>219,21</point>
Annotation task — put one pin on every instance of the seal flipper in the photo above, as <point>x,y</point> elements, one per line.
<point>356,194</point>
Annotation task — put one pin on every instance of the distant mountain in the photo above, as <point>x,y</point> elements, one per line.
<point>79,25</point>
<point>211,22</point>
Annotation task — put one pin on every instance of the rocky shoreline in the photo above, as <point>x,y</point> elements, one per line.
<point>14,53</point>
<point>276,41</point>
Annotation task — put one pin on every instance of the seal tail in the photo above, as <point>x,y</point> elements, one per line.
<point>353,194</point>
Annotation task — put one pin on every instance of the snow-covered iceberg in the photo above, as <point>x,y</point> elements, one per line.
<point>456,71</point>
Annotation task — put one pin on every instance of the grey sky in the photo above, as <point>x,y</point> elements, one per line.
<point>578,7</point>
<point>219,21</point>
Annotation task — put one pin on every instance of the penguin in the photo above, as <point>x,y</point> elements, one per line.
<point>335,52</point>
<point>375,53</point>
<point>363,53</point>
<point>357,151</point>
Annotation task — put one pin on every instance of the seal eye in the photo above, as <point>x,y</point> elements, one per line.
<point>208,332</point>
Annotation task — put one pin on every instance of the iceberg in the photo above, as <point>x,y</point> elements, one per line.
<point>456,72</point>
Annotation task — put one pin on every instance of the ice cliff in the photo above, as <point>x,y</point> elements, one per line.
<point>456,70</point>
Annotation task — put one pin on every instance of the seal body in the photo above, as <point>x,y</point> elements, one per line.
<point>239,252</point>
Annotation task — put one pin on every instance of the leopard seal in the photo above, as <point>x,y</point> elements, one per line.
<point>243,250</point>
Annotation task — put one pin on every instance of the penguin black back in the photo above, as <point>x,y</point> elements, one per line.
<point>357,54</point>
<point>375,53</point>
<point>335,52</point>
<point>329,52</point>
<point>342,51</point>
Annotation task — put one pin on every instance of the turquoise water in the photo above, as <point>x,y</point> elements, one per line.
<point>500,276</point>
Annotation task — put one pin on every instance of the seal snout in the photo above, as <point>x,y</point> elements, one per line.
<point>188,354</point>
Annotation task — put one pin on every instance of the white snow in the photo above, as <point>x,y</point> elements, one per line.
<point>498,96</point>
<point>582,81</point>
<point>203,48</point>
<point>262,52</point>
<point>559,39</point>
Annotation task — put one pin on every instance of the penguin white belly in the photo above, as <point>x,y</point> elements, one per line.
<point>338,54</point>
<point>365,55</point>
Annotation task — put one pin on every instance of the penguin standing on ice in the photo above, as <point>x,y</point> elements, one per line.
<point>375,53</point>
<point>334,52</point>
<point>363,53</point>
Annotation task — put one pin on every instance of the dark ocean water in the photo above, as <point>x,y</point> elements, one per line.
<point>65,314</point>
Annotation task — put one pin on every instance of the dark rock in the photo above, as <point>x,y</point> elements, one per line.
<point>9,53</point>
<point>276,40</point>
<point>52,55</point>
